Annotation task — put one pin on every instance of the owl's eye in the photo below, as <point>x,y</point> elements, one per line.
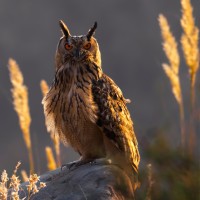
<point>68,46</point>
<point>87,46</point>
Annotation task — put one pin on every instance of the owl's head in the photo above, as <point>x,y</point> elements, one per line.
<point>77,49</point>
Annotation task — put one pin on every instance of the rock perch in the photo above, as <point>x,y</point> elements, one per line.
<point>92,181</point>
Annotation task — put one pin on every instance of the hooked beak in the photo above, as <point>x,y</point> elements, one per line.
<point>77,53</point>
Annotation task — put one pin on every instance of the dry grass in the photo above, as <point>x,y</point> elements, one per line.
<point>51,164</point>
<point>189,41</point>
<point>3,185</point>
<point>150,182</point>
<point>15,183</point>
<point>169,45</point>
<point>10,187</point>
<point>24,175</point>
<point>54,137</point>
<point>20,102</point>
<point>32,186</point>
<point>172,69</point>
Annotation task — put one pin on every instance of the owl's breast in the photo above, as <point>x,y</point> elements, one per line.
<point>80,103</point>
<point>69,106</point>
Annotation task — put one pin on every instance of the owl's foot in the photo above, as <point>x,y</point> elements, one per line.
<point>77,163</point>
<point>103,161</point>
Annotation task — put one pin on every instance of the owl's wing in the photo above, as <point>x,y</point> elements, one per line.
<point>114,118</point>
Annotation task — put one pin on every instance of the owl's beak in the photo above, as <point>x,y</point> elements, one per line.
<point>64,29</point>
<point>77,53</point>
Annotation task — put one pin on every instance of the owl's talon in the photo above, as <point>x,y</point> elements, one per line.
<point>77,163</point>
<point>94,162</point>
<point>102,161</point>
<point>63,166</point>
<point>69,165</point>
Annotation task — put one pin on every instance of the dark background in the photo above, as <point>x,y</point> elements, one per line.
<point>129,37</point>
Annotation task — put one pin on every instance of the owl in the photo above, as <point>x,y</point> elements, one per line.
<point>85,107</point>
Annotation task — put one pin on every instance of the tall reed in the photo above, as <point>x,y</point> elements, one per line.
<point>172,70</point>
<point>189,41</point>
<point>54,137</point>
<point>20,102</point>
<point>51,164</point>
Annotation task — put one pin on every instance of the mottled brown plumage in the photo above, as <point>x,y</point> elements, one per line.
<point>85,107</point>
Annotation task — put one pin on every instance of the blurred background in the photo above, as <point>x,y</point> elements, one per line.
<point>130,41</point>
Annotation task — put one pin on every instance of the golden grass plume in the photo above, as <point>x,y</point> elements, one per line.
<point>24,175</point>
<point>171,51</point>
<point>172,69</point>
<point>189,40</point>
<point>20,102</point>
<point>54,137</point>
<point>44,87</point>
<point>32,187</point>
<point>3,185</point>
<point>51,164</point>
<point>169,44</point>
<point>15,183</point>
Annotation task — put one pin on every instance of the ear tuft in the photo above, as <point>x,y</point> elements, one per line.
<point>64,29</point>
<point>91,31</point>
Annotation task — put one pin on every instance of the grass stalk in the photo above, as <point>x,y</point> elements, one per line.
<point>51,164</point>
<point>182,126</point>
<point>20,102</point>
<point>172,71</point>
<point>189,41</point>
<point>31,161</point>
<point>150,182</point>
<point>54,137</point>
<point>24,175</point>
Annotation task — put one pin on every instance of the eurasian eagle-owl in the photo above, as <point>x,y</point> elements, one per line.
<point>86,107</point>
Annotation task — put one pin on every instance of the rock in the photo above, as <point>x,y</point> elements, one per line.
<point>98,181</point>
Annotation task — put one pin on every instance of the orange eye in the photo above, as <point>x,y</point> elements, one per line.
<point>68,46</point>
<point>87,46</point>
